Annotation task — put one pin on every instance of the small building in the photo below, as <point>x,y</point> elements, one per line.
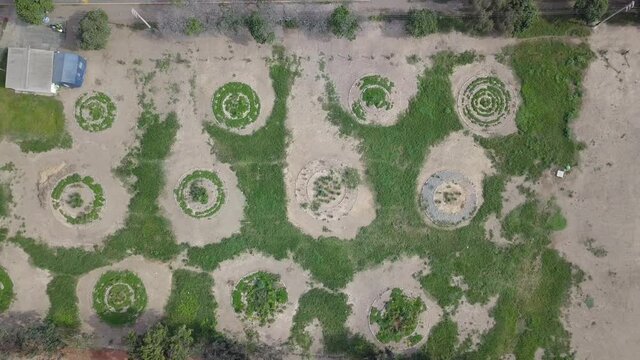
<point>42,71</point>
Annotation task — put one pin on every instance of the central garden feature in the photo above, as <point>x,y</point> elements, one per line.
<point>95,112</point>
<point>259,297</point>
<point>200,194</point>
<point>119,297</point>
<point>370,97</point>
<point>236,105</point>
<point>6,290</point>
<point>448,198</point>
<point>327,189</point>
<point>394,317</point>
<point>78,199</point>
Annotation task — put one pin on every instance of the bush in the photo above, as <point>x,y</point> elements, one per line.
<point>343,23</point>
<point>421,23</point>
<point>507,16</point>
<point>94,30</point>
<point>159,342</point>
<point>591,10</point>
<point>259,28</point>
<point>33,11</point>
<point>30,340</point>
<point>193,27</point>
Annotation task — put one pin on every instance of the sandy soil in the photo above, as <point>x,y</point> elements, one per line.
<point>368,285</point>
<point>156,278</point>
<point>460,153</point>
<point>512,197</point>
<point>474,320</point>
<point>29,283</point>
<point>296,280</point>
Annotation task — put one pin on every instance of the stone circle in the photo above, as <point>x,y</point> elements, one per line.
<point>448,198</point>
<point>371,98</point>
<point>6,290</point>
<point>119,297</point>
<point>259,296</point>
<point>323,191</point>
<point>95,112</point>
<point>236,105</point>
<point>78,199</point>
<point>406,338</point>
<point>200,193</point>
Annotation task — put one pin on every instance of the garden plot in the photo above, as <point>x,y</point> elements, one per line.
<point>129,295</point>
<point>473,320</point>
<point>450,182</point>
<point>379,294</point>
<point>241,286</point>
<point>27,283</point>
<point>326,189</point>
<point>487,97</point>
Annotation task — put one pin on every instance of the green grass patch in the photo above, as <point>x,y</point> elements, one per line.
<point>5,200</point>
<point>64,302</point>
<point>558,26</point>
<point>259,297</point>
<point>6,290</point>
<point>191,302</point>
<point>119,297</point>
<point>236,105</point>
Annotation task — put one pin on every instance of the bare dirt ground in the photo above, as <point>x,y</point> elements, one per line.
<point>296,280</point>
<point>473,320</point>
<point>29,283</point>
<point>512,197</point>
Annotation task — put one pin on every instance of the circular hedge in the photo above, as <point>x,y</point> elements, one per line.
<point>119,297</point>
<point>95,112</point>
<point>396,319</point>
<point>485,101</point>
<point>200,194</point>
<point>259,297</point>
<point>374,95</point>
<point>236,105</point>
<point>6,290</point>
<point>78,199</point>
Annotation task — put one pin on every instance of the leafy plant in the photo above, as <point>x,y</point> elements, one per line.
<point>33,11</point>
<point>187,190</point>
<point>95,112</point>
<point>421,22</point>
<point>94,30</point>
<point>119,297</point>
<point>198,193</point>
<point>75,200</point>
<point>161,342</point>
<point>591,10</point>
<point>351,178</point>
<point>343,24</point>
<point>193,26</point>
<point>94,208</point>
<point>399,317</point>
<point>259,297</point>
<point>260,28</point>
<point>236,105</point>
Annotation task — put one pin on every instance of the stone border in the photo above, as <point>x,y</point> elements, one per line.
<point>431,208</point>
<point>215,185</point>
<point>244,92</point>
<point>83,113</point>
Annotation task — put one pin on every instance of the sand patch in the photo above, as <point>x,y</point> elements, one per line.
<point>474,320</point>
<point>296,281</point>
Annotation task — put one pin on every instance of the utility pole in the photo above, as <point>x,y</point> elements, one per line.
<point>138,16</point>
<point>626,8</point>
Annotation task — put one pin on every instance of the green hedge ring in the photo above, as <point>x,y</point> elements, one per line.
<point>485,101</point>
<point>259,297</point>
<point>78,199</point>
<point>6,290</point>
<point>119,297</point>
<point>200,194</point>
<point>236,105</point>
<point>372,95</point>
<point>95,112</point>
<point>394,317</point>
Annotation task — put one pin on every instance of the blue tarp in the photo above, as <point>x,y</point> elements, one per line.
<point>68,69</point>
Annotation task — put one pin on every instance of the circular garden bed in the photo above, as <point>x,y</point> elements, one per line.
<point>371,97</point>
<point>236,105</point>
<point>95,112</point>
<point>259,297</point>
<point>119,297</point>
<point>200,194</point>
<point>394,318</point>
<point>6,290</point>
<point>484,102</point>
<point>448,198</point>
<point>327,189</point>
<point>78,199</point>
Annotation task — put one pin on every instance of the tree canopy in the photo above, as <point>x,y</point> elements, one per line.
<point>591,10</point>
<point>94,30</point>
<point>343,23</point>
<point>33,11</point>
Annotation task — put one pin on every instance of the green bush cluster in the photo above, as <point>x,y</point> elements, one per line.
<point>343,23</point>
<point>186,192</point>
<point>6,290</point>
<point>119,297</point>
<point>398,319</point>
<point>193,26</point>
<point>33,11</point>
<point>260,28</point>
<point>96,204</point>
<point>421,22</point>
<point>236,105</point>
<point>95,112</point>
<point>591,10</point>
<point>507,16</point>
<point>94,30</point>
<point>259,296</point>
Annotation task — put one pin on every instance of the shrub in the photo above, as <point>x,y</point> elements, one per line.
<point>94,30</point>
<point>29,340</point>
<point>33,11</point>
<point>591,10</point>
<point>507,16</point>
<point>259,28</point>
<point>343,23</point>
<point>160,342</point>
<point>421,23</point>
<point>193,27</point>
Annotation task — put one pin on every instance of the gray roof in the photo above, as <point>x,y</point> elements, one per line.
<point>30,70</point>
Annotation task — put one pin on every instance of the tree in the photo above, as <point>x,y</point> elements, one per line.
<point>33,11</point>
<point>343,23</point>
<point>161,343</point>
<point>591,10</point>
<point>193,26</point>
<point>259,28</point>
<point>421,23</point>
<point>94,30</point>
<point>30,339</point>
<point>507,16</point>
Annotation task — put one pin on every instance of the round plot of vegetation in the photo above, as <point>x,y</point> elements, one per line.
<point>6,290</point>
<point>485,101</point>
<point>119,297</point>
<point>394,318</point>
<point>327,189</point>
<point>236,105</point>
<point>259,297</point>
<point>448,198</point>
<point>78,199</point>
<point>371,97</point>
<point>200,194</point>
<point>95,112</point>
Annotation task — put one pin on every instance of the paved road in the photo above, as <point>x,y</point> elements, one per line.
<point>169,2</point>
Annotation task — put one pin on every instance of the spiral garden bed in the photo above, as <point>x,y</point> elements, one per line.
<point>78,199</point>
<point>95,112</point>
<point>200,194</point>
<point>259,297</point>
<point>448,198</point>
<point>119,297</point>
<point>327,189</point>
<point>236,105</point>
<point>394,317</point>
<point>371,98</point>
<point>6,290</point>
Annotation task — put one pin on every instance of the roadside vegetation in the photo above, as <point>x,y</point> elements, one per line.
<point>33,12</point>
<point>94,30</point>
